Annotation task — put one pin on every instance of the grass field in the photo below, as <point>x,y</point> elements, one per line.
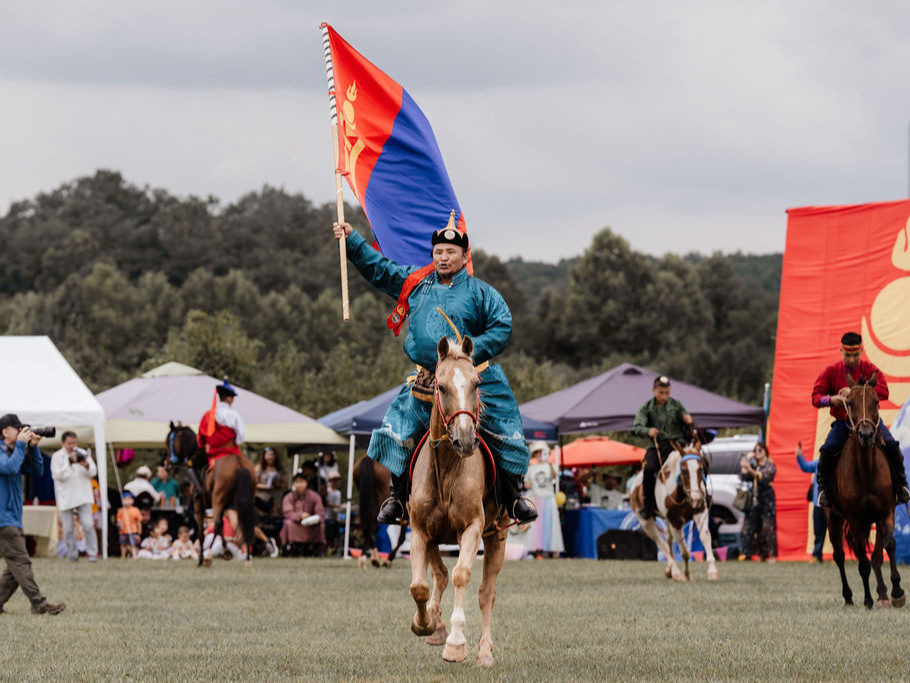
<point>554,619</point>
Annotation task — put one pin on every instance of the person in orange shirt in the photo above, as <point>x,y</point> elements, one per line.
<point>129,521</point>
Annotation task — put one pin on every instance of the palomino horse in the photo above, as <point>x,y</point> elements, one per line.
<point>373,483</point>
<point>681,496</point>
<point>452,501</point>
<point>862,495</point>
<point>230,483</point>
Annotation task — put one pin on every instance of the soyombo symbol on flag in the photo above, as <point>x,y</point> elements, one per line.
<point>389,155</point>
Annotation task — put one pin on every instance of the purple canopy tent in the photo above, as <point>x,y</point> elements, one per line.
<point>609,402</point>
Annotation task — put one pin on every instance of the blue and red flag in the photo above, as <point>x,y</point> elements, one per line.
<point>389,155</point>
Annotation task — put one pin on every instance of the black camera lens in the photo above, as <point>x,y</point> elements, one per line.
<point>45,432</point>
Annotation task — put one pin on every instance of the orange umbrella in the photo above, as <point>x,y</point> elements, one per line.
<point>600,450</point>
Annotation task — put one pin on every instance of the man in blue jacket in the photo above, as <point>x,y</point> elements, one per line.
<point>478,311</point>
<point>20,455</point>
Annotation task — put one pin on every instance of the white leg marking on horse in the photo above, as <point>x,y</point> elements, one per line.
<point>457,637</point>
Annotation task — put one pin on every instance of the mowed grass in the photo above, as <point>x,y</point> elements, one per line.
<point>554,619</point>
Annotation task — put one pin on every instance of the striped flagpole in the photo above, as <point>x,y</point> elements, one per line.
<point>339,199</point>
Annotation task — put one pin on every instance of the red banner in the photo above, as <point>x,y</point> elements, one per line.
<point>846,268</point>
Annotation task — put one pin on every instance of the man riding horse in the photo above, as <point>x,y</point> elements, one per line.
<point>221,429</point>
<point>478,311</point>
<point>665,421</point>
<point>830,392</point>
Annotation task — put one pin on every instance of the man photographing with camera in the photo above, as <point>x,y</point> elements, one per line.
<point>73,470</point>
<point>19,455</point>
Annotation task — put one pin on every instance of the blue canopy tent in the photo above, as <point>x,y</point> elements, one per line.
<point>361,418</point>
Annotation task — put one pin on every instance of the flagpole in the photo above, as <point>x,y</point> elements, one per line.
<point>339,199</point>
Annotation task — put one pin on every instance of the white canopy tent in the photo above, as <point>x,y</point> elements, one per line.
<point>42,389</point>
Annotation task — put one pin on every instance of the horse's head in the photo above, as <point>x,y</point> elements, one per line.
<point>691,474</point>
<point>862,408</point>
<point>457,396</point>
<point>181,445</point>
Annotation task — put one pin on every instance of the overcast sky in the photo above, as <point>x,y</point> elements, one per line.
<point>680,125</point>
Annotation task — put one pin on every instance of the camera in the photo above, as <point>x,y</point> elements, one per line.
<point>80,454</point>
<point>44,431</point>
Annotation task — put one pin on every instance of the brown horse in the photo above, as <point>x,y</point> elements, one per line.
<point>863,495</point>
<point>374,485</point>
<point>230,483</point>
<point>452,502</point>
<point>681,496</point>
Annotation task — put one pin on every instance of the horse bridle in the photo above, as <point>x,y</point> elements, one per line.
<point>689,456</point>
<point>853,424</point>
<point>475,416</point>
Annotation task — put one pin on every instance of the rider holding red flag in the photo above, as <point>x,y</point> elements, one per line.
<point>830,392</point>
<point>221,429</point>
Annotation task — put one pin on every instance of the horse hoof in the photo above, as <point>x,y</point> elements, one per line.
<point>713,575</point>
<point>438,637</point>
<point>899,601</point>
<point>883,602</point>
<point>206,561</point>
<point>387,564</point>
<point>419,630</point>
<point>483,661</point>
<point>455,653</point>
<point>668,573</point>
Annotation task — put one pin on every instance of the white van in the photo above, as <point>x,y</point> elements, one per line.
<point>725,455</point>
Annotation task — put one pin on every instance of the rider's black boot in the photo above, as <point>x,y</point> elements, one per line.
<point>649,505</point>
<point>510,489</point>
<point>899,475</point>
<point>394,510</point>
<point>823,478</point>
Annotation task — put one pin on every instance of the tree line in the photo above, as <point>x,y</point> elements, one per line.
<point>123,278</point>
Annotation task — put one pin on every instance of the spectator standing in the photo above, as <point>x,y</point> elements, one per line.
<point>819,521</point>
<point>129,522</point>
<point>270,481</point>
<point>545,534</point>
<point>759,534</point>
<point>332,510</point>
<point>326,466</point>
<point>20,456</point>
<point>304,517</point>
<point>168,489</point>
<point>141,484</point>
<point>73,470</point>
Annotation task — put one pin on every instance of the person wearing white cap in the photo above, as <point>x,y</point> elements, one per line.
<point>141,484</point>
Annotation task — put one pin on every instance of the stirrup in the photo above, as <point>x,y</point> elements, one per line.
<point>823,501</point>
<point>903,495</point>
<point>388,514</point>
<point>525,516</point>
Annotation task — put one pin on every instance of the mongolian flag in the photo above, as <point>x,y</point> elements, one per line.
<point>388,153</point>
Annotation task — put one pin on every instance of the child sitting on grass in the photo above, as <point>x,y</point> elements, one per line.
<point>183,548</point>
<point>158,544</point>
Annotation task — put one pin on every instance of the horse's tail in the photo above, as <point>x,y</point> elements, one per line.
<point>243,499</point>
<point>366,487</point>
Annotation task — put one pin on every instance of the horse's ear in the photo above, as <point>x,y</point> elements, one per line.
<point>850,382</point>
<point>873,380</point>
<point>442,349</point>
<point>467,345</point>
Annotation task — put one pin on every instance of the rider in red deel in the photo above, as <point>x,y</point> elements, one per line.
<point>221,429</point>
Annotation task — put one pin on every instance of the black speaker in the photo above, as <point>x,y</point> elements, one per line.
<point>619,544</point>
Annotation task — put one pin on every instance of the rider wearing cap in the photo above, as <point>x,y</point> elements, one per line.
<point>664,421</point>
<point>830,391</point>
<point>221,429</point>
<point>477,310</point>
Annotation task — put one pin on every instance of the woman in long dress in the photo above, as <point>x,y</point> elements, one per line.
<point>545,534</point>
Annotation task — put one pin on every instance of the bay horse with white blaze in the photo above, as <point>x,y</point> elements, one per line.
<point>681,496</point>
<point>452,501</point>
<point>862,495</point>
<point>230,483</point>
